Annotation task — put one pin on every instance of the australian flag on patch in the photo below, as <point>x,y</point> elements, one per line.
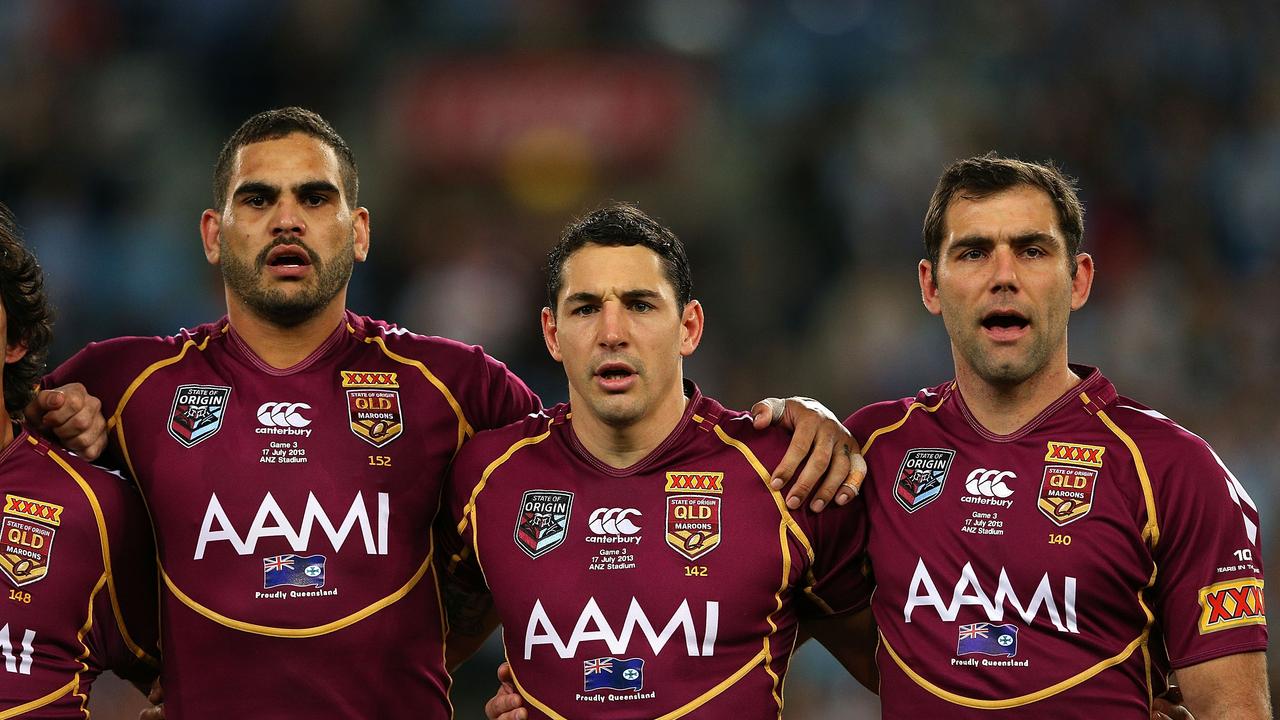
<point>295,570</point>
<point>988,639</point>
<point>609,673</point>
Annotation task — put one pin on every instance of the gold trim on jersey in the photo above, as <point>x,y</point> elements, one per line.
<point>114,420</point>
<point>40,702</point>
<point>468,511</point>
<point>105,546</point>
<point>1151,530</point>
<point>464,428</point>
<point>894,426</point>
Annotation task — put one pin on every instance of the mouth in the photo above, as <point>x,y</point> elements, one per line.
<point>615,376</point>
<point>288,256</point>
<point>1005,324</point>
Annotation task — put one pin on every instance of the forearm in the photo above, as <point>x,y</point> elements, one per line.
<point>472,618</point>
<point>1227,688</point>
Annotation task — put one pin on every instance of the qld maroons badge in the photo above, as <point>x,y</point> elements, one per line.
<point>197,412</point>
<point>1066,493</point>
<point>693,512</point>
<point>373,406</point>
<point>26,538</point>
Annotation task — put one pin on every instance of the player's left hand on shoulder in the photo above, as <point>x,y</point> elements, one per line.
<point>1169,706</point>
<point>832,466</point>
<point>73,416</point>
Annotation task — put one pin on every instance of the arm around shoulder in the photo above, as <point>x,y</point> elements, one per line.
<point>1233,686</point>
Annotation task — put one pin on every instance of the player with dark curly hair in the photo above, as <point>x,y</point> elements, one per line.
<point>66,620</point>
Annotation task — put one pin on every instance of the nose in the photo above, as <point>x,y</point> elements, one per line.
<point>613,326</point>
<point>288,219</point>
<point>1004,270</point>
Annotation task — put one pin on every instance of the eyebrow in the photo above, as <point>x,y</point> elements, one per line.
<point>258,187</point>
<point>981,241</point>
<point>628,295</point>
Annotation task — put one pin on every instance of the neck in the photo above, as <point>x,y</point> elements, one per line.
<point>624,445</point>
<point>1005,409</point>
<point>283,346</point>
<point>6,427</point>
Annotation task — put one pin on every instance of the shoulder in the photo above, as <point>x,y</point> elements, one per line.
<point>878,416</point>
<point>140,351</point>
<point>1161,441</point>
<point>412,345</point>
<point>485,447</point>
<point>82,483</point>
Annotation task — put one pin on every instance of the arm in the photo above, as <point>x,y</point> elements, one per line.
<point>1234,686</point>
<point>822,443</point>
<point>851,638</point>
<point>506,704</point>
<point>471,616</point>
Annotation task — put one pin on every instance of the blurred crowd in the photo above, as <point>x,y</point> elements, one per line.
<point>793,146</point>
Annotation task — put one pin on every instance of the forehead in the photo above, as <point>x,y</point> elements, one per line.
<point>1016,212</point>
<point>285,159</point>
<point>598,269</point>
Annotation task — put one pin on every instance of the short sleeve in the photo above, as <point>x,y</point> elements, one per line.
<point>1209,582</point>
<point>503,398</point>
<point>454,529</point>
<point>838,581</point>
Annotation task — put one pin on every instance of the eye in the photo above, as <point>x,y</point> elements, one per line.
<point>256,201</point>
<point>583,310</point>
<point>641,306</point>
<point>971,254</point>
<point>314,200</point>
<point>1034,252</point>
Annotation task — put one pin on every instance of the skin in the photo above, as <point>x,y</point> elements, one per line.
<point>12,353</point>
<point>617,311</point>
<point>1004,253</point>
<point>285,194</point>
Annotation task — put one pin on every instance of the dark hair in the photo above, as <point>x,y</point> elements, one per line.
<point>27,312</point>
<point>620,224</point>
<point>278,123</point>
<point>984,175</point>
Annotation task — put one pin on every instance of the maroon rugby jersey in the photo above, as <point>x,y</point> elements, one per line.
<point>79,583</point>
<point>669,588</point>
<point>1061,570</point>
<point>293,510</point>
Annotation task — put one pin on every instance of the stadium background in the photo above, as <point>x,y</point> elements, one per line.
<point>793,145</point>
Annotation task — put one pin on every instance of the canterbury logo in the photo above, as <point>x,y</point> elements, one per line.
<point>42,511</point>
<point>712,482</point>
<point>356,378</point>
<point>613,521</point>
<point>1089,455</point>
<point>989,483</point>
<point>283,414</point>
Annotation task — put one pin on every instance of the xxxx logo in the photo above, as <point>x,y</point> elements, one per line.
<point>1087,455</point>
<point>701,482</point>
<point>1231,604</point>
<point>358,378</point>
<point>44,512</point>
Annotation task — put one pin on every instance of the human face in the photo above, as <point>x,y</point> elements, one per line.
<point>621,334</point>
<point>286,240</point>
<point>1004,286</point>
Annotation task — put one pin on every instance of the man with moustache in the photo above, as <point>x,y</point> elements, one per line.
<point>291,454</point>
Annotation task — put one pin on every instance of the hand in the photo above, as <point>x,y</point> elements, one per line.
<point>1169,706</point>
<point>816,433</point>
<point>74,417</point>
<point>156,697</point>
<point>506,704</point>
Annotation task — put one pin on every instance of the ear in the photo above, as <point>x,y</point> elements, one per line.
<point>210,229</point>
<point>929,288</point>
<point>14,353</point>
<point>360,227</point>
<point>691,324</point>
<point>549,334</point>
<point>1082,283</point>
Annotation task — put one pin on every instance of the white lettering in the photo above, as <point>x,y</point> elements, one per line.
<point>22,664</point>
<point>968,591</point>
<point>592,625</point>
<point>271,521</point>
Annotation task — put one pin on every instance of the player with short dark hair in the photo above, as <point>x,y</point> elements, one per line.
<point>1042,545</point>
<point>292,454</point>
<point>640,562</point>
<point>75,547</point>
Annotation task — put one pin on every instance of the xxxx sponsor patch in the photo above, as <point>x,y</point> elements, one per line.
<point>1076,454</point>
<point>27,530</point>
<point>695,482</point>
<point>1232,603</point>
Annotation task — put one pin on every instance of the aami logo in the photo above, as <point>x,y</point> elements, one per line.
<point>20,664</point>
<point>699,482</point>
<point>1087,455</point>
<point>271,521</point>
<point>541,631</point>
<point>1059,610</point>
<point>1231,604</point>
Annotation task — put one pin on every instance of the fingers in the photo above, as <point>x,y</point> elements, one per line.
<point>152,713</point>
<point>73,416</point>
<point>507,703</point>
<point>801,442</point>
<point>156,696</point>
<point>766,412</point>
<point>852,484</point>
<point>823,460</point>
<point>504,673</point>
